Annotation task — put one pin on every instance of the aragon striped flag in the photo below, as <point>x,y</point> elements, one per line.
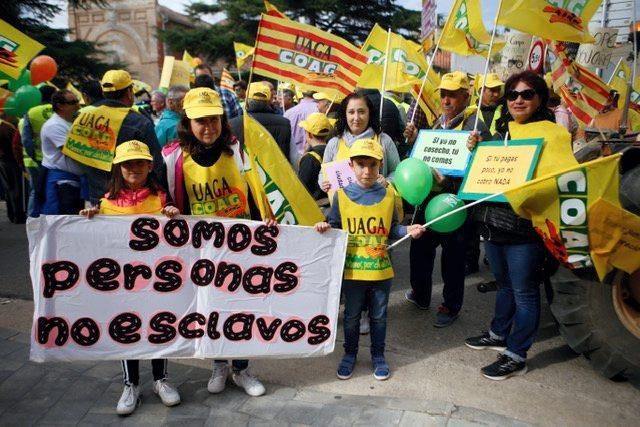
<point>273,11</point>
<point>290,51</point>
<point>226,80</point>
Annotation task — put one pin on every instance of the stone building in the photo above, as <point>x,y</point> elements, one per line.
<point>127,29</point>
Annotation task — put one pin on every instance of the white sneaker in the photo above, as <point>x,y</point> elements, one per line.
<point>364,323</point>
<point>251,385</point>
<point>129,400</point>
<point>168,394</point>
<point>218,378</point>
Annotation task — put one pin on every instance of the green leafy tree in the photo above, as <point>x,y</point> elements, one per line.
<point>350,19</point>
<point>77,60</point>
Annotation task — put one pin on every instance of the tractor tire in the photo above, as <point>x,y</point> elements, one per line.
<point>584,309</point>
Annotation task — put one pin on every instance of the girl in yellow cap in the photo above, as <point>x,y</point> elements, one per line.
<point>134,190</point>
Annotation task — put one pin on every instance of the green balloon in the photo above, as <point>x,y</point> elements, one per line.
<point>413,180</point>
<point>24,79</point>
<point>440,205</point>
<point>11,106</point>
<point>28,97</point>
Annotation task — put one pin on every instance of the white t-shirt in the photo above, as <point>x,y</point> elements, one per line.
<point>53,136</point>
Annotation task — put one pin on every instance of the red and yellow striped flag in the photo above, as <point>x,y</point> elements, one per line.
<point>226,80</point>
<point>291,51</point>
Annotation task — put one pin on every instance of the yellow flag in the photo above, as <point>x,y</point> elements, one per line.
<point>620,82</point>
<point>544,19</point>
<point>16,50</point>
<point>561,206</point>
<point>275,186</point>
<point>193,62</point>
<point>243,53</point>
<point>76,92</point>
<point>464,32</point>
<point>273,11</point>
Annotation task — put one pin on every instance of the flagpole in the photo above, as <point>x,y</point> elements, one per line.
<point>238,70</point>
<point>326,113</point>
<point>255,46</point>
<point>461,208</point>
<point>486,66</point>
<point>384,73</point>
<point>424,80</point>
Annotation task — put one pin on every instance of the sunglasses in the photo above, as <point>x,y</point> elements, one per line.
<point>527,95</point>
<point>74,102</point>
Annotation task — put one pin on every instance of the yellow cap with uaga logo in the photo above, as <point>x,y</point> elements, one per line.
<point>202,102</point>
<point>132,150</point>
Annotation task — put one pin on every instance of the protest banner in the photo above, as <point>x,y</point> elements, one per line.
<point>339,174</point>
<point>516,51</point>
<point>142,287</point>
<point>174,72</point>
<point>495,167</point>
<point>445,150</point>
<point>598,54</point>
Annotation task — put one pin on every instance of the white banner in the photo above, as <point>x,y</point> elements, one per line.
<point>142,287</point>
<point>598,54</point>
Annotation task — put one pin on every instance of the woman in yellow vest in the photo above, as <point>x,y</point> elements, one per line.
<point>134,190</point>
<point>366,210</point>
<point>204,173</point>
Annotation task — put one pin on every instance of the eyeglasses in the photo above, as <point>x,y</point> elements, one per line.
<point>527,95</point>
<point>67,102</point>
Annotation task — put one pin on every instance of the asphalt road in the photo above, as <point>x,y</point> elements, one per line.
<point>427,363</point>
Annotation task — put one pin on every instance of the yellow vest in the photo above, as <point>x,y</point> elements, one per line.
<point>37,116</point>
<point>218,190</point>
<point>151,205</point>
<point>368,227</point>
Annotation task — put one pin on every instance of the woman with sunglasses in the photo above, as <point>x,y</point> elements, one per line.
<point>514,249</point>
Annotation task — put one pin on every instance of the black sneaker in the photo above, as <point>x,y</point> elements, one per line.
<point>409,296</point>
<point>485,341</point>
<point>504,368</point>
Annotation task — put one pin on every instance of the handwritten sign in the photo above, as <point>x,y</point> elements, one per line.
<point>339,174</point>
<point>599,53</point>
<point>445,150</point>
<point>495,167</point>
<point>142,287</point>
<point>174,72</point>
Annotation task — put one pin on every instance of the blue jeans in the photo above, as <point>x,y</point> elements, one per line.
<point>517,269</point>
<point>359,294</point>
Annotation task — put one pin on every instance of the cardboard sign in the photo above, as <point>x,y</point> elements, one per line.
<point>175,72</point>
<point>495,167</point>
<point>146,287</point>
<point>598,54</point>
<point>339,174</point>
<point>515,51</point>
<point>445,150</point>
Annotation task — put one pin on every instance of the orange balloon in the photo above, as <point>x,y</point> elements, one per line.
<point>43,68</point>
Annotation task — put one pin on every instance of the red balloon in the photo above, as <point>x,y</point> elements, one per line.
<point>43,68</point>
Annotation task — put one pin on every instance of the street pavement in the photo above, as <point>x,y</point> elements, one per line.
<point>435,378</point>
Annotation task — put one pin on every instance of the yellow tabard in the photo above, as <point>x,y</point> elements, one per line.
<point>368,227</point>
<point>218,190</point>
<point>151,205</point>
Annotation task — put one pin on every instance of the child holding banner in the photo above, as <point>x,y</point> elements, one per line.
<point>134,190</point>
<point>366,209</point>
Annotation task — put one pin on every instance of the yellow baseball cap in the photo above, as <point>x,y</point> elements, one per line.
<point>454,81</point>
<point>114,80</point>
<point>202,102</point>
<point>259,92</point>
<point>132,150</point>
<point>316,124</point>
<point>319,96</point>
<point>490,80</point>
<point>366,148</point>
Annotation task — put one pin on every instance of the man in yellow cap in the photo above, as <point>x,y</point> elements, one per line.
<point>260,108</point>
<point>454,99</point>
<point>317,130</point>
<point>124,124</point>
<point>490,107</point>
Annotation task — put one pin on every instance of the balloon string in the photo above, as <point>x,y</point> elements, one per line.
<point>461,208</point>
